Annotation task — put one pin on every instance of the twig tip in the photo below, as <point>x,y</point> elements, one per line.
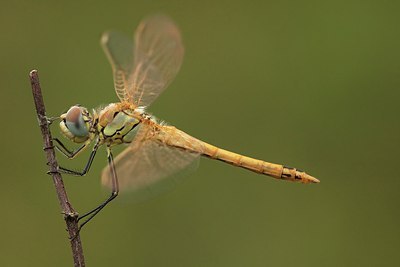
<point>33,72</point>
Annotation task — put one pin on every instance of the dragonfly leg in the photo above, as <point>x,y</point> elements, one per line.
<point>114,193</point>
<point>66,152</point>
<point>50,120</point>
<point>87,166</point>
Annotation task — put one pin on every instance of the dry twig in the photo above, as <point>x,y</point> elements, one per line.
<point>70,216</point>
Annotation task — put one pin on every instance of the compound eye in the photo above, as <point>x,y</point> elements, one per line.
<point>75,122</point>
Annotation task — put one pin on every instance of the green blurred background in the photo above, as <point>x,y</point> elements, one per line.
<point>310,84</point>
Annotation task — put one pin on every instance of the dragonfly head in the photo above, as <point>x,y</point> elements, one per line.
<point>75,124</point>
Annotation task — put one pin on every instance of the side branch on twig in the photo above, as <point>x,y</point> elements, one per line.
<point>70,215</point>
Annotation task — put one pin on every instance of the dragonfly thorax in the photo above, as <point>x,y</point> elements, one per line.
<point>76,124</point>
<point>117,123</point>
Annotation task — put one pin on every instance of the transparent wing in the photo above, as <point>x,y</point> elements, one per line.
<point>149,167</point>
<point>143,69</point>
<point>158,57</point>
<point>119,51</point>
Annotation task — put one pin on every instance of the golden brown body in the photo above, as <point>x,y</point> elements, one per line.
<point>171,136</point>
<point>142,70</point>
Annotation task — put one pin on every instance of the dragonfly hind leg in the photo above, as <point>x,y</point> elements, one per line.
<point>114,192</point>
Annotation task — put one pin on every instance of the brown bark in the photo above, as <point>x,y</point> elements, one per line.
<point>70,216</point>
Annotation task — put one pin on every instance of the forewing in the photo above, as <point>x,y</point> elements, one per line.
<point>119,51</point>
<point>148,167</point>
<point>158,55</point>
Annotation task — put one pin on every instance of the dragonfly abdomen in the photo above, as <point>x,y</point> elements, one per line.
<point>259,166</point>
<point>173,137</point>
<point>255,165</point>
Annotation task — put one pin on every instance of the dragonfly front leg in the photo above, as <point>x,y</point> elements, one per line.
<point>114,192</point>
<point>68,153</point>
<point>71,155</point>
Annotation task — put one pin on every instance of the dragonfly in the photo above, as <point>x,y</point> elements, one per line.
<point>142,69</point>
